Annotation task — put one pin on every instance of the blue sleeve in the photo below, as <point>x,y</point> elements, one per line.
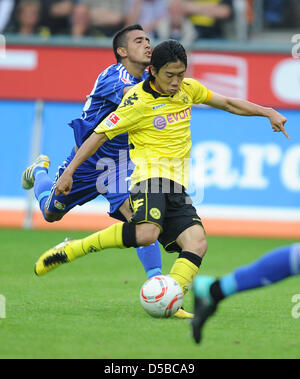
<point>111,86</point>
<point>82,130</point>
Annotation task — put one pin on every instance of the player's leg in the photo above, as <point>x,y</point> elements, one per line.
<point>136,233</point>
<point>181,228</point>
<point>183,233</point>
<point>84,189</point>
<point>36,176</point>
<point>121,235</point>
<point>272,267</point>
<point>192,246</point>
<point>192,242</point>
<point>149,256</point>
<point>117,195</point>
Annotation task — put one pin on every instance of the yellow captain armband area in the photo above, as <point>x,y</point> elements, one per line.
<point>209,96</point>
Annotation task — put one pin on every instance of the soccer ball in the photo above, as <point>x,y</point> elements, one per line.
<point>161,296</point>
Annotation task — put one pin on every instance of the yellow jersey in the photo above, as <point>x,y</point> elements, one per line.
<point>202,20</point>
<point>158,127</point>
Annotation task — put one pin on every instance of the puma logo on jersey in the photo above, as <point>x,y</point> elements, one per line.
<point>158,106</point>
<point>136,204</point>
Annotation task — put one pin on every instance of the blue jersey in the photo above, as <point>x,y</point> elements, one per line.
<point>105,98</point>
<point>90,179</point>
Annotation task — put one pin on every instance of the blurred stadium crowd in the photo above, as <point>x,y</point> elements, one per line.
<point>186,20</point>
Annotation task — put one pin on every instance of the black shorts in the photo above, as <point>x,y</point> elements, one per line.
<point>166,204</point>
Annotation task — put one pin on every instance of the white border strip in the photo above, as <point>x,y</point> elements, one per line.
<point>250,213</point>
<point>19,204</point>
<point>205,211</point>
<point>19,60</point>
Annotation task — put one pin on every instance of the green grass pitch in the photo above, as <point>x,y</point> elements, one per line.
<point>90,308</point>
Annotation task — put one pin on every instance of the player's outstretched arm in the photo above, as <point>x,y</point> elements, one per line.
<point>87,149</point>
<point>246,108</point>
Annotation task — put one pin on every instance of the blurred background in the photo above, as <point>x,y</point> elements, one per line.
<point>248,178</point>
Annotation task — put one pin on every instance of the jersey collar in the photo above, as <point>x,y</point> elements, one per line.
<point>148,88</point>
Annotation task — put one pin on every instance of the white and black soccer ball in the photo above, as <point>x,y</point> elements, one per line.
<point>161,296</point>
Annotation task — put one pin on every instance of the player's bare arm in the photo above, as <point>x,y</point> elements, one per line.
<point>126,89</point>
<point>246,108</point>
<point>87,149</point>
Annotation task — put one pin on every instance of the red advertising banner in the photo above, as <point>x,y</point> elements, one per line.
<point>68,74</point>
<point>267,79</point>
<point>51,73</point>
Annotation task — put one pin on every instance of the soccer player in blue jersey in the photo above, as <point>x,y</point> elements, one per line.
<point>133,53</point>
<point>271,268</point>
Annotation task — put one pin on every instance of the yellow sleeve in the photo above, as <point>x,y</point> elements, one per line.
<point>124,119</point>
<point>209,95</point>
<point>200,94</point>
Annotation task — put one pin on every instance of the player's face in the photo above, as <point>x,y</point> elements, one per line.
<point>138,47</point>
<point>169,78</point>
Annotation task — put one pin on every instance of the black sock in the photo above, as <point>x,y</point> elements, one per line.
<point>129,235</point>
<point>192,257</point>
<point>216,292</point>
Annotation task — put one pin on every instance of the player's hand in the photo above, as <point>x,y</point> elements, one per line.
<point>64,184</point>
<point>277,121</point>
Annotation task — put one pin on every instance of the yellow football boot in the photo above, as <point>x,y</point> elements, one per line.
<point>181,313</point>
<point>58,255</point>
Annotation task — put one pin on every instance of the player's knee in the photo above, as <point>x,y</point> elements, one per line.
<point>199,244</point>
<point>52,217</point>
<point>202,247</point>
<point>194,240</point>
<point>146,234</point>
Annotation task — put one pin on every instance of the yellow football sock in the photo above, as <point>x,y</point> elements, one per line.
<point>106,238</point>
<point>184,271</point>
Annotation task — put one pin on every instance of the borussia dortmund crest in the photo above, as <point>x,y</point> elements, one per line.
<point>185,99</point>
<point>155,213</point>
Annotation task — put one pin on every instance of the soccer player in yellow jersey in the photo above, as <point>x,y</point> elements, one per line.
<point>156,114</point>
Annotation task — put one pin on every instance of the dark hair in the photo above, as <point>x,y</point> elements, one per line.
<point>120,38</point>
<point>166,52</point>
